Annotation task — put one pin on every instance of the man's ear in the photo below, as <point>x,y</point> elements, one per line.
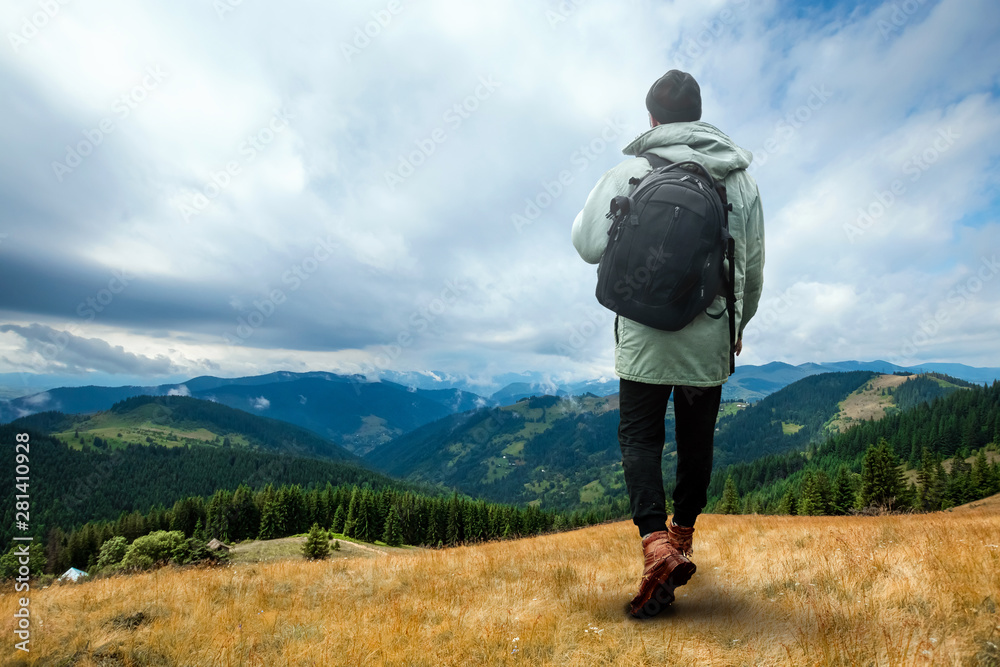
<point>652,121</point>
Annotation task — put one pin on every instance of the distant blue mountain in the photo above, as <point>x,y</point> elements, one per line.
<point>363,414</point>
<point>344,408</point>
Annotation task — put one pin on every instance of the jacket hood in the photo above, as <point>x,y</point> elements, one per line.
<point>697,141</point>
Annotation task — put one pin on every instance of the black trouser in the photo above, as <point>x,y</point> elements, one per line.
<point>641,434</point>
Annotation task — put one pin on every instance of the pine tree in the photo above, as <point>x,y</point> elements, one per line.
<point>317,544</point>
<point>337,526</point>
<point>296,511</point>
<point>453,531</point>
<point>393,533</point>
<point>730,501</point>
<point>881,478</point>
<point>825,491</point>
<point>350,521</point>
<point>843,492</point>
<point>199,532</point>
<point>270,522</point>
<point>959,480</point>
<point>787,503</point>
<point>365,525</point>
<point>243,518</point>
<point>981,482</point>
<point>810,502</point>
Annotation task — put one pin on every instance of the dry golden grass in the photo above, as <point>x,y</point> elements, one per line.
<point>897,590</point>
<point>867,402</point>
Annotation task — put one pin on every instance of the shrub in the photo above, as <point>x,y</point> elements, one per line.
<point>317,544</point>
<point>112,553</point>
<point>159,546</point>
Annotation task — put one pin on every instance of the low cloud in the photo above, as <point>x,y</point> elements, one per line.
<point>38,400</point>
<point>57,351</point>
<point>260,403</point>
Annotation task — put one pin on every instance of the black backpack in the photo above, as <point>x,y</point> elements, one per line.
<point>663,264</point>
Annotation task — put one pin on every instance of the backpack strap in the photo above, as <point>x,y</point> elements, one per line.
<point>731,301</point>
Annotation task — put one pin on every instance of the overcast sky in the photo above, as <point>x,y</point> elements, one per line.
<point>236,187</point>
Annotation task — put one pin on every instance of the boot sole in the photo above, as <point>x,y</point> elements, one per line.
<point>663,595</point>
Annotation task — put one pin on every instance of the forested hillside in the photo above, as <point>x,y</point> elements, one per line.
<point>786,420</point>
<point>924,389</point>
<point>963,423</point>
<point>389,514</point>
<point>563,452</point>
<point>70,486</point>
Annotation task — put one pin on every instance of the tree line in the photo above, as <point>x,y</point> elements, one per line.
<point>363,513</point>
<point>839,476</point>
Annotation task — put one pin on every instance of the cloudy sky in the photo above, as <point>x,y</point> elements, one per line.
<point>231,187</point>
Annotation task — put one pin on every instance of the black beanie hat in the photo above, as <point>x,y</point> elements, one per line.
<point>674,98</point>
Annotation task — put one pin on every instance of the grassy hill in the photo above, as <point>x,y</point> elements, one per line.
<point>768,591</point>
<point>172,421</point>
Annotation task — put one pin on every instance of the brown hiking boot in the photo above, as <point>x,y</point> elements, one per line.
<point>665,569</point>
<point>680,537</point>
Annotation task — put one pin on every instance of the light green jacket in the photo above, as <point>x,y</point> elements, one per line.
<point>698,354</point>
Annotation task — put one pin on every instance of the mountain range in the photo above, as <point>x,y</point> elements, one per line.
<point>563,452</point>
<point>28,393</point>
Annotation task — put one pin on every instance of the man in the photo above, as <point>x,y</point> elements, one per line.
<point>693,362</point>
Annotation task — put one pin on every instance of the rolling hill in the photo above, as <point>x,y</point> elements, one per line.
<point>359,414</point>
<point>563,453</point>
<point>178,421</point>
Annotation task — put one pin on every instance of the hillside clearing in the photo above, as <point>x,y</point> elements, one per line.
<point>262,551</point>
<point>867,402</point>
<point>768,591</point>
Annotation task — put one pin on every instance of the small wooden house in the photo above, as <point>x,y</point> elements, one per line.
<point>215,545</point>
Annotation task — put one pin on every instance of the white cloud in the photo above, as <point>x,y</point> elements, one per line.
<point>260,403</point>
<point>359,268</point>
<point>38,400</point>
